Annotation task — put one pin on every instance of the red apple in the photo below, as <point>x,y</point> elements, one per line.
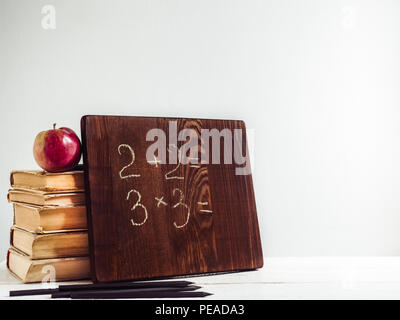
<point>57,150</point>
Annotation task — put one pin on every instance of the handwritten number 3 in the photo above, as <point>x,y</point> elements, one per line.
<point>136,205</point>
<point>180,203</point>
<point>139,196</point>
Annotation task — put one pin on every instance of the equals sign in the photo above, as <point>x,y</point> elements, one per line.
<point>204,204</point>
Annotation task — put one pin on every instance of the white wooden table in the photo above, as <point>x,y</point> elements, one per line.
<point>286,278</point>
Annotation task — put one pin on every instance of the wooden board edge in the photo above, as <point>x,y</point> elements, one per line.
<point>93,273</point>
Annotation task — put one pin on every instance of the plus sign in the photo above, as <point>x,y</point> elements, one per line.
<point>155,161</point>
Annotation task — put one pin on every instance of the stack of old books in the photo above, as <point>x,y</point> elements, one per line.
<point>49,235</point>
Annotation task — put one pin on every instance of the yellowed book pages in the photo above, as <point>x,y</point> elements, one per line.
<point>50,245</point>
<point>46,181</point>
<point>64,269</point>
<point>39,219</point>
<point>44,198</point>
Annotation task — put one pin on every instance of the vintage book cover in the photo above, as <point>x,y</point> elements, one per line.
<point>45,219</point>
<point>50,245</point>
<point>45,198</point>
<point>65,269</point>
<point>41,180</point>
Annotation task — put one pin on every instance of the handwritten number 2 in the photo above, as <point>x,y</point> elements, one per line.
<point>122,176</point>
<point>127,146</point>
<point>168,176</point>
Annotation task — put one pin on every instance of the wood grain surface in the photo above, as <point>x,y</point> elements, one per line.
<point>150,220</point>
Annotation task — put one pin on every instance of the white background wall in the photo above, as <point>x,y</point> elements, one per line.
<point>317,80</point>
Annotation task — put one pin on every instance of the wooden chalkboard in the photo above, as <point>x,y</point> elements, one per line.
<point>150,218</point>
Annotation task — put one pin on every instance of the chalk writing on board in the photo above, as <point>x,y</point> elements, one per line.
<point>136,205</point>
<point>180,203</point>
<point>156,161</point>
<point>131,163</point>
<point>167,175</point>
<point>207,211</point>
<point>195,160</point>
<point>205,203</point>
<point>159,200</point>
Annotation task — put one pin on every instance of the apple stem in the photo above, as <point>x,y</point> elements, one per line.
<point>54,126</point>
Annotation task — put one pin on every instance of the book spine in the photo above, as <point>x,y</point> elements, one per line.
<point>12,179</point>
<point>12,236</point>
<point>13,214</point>
<point>8,259</point>
<point>93,272</point>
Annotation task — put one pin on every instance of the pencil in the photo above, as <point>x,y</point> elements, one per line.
<point>112,285</point>
<point>138,295</point>
<point>68,294</point>
<point>118,285</point>
<point>32,292</point>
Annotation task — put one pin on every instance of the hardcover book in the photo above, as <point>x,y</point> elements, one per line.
<point>40,219</point>
<point>45,198</point>
<point>50,245</point>
<point>46,181</point>
<point>28,270</point>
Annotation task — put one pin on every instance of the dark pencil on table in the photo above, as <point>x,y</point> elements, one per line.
<point>67,294</point>
<point>32,292</point>
<point>118,285</point>
<point>112,285</point>
<point>138,295</point>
